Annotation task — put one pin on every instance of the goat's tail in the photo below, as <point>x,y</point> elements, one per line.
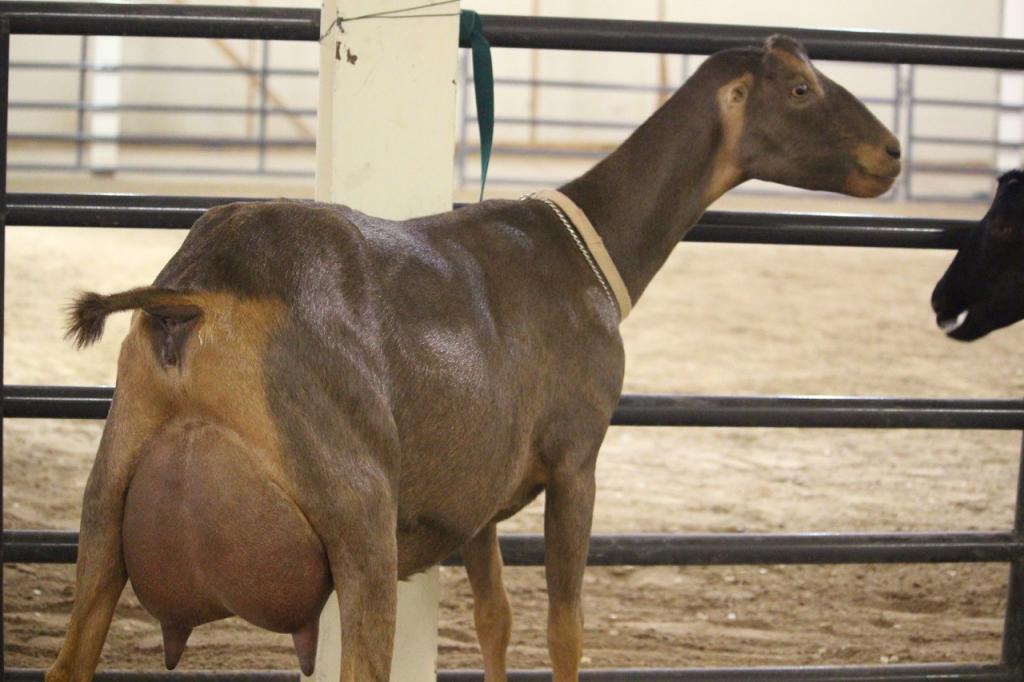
<point>88,312</point>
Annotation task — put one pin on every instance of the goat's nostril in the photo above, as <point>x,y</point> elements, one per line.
<point>893,150</point>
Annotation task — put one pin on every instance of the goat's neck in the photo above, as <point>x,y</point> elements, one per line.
<point>650,191</point>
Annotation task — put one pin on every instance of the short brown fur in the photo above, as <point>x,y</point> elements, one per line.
<point>396,388</point>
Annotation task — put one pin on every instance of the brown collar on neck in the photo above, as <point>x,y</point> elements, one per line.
<point>593,247</point>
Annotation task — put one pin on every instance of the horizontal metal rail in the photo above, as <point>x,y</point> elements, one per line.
<point>902,673</point>
<point>559,33</point>
<point>905,673</point>
<point>963,103</point>
<point>821,229</point>
<point>23,675</point>
<point>163,170</point>
<point>165,140</point>
<point>817,412</point>
<point>110,210</point>
<point>951,169</point>
<point>154,109</point>
<point>964,142</point>
<point>162,20</point>
<point>93,402</point>
<point>558,122</point>
<point>177,69</point>
<point>660,549</point>
<point>830,229</point>
<point>611,35</point>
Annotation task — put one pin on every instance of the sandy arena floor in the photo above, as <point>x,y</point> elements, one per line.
<point>719,319</point>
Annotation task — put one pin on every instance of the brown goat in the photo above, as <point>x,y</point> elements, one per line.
<point>316,399</point>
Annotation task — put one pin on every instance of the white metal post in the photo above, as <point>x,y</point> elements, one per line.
<point>385,145</point>
<point>105,94</point>
<point>1011,94</point>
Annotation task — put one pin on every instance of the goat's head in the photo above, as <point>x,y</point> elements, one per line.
<point>800,128</point>
<point>983,288</point>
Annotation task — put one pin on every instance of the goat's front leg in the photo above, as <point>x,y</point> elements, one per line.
<point>491,613</point>
<point>568,510</point>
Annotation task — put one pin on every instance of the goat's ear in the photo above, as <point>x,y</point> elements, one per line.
<point>785,58</point>
<point>732,96</point>
<point>1010,178</point>
<point>737,93</point>
<point>783,55</point>
<point>782,43</point>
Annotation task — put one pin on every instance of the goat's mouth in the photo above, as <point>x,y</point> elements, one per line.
<point>963,325</point>
<point>949,324</point>
<point>863,183</point>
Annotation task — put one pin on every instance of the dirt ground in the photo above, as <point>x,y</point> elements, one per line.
<point>719,319</point>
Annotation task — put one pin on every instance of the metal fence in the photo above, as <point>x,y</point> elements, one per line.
<point>22,545</point>
<point>898,108</point>
<point>79,139</point>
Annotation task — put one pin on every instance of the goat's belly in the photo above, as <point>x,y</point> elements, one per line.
<point>206,536</point>
<point>429,534</point>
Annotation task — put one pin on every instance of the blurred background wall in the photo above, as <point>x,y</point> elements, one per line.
<point>233,111</point>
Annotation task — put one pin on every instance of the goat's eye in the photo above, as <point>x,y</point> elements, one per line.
<point>800,91</point>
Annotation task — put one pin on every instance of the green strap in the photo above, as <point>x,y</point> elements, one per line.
<point>471,35</point>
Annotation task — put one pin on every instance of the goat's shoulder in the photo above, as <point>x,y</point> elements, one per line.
<point>493,228</point>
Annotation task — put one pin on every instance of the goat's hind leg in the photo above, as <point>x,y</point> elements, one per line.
<point>364,566</point>
<point>350,505</point>
<point>100,573</point>
<point>491,613</point>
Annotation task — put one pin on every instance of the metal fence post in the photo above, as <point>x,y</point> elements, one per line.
<point>5,63</point>
<point>908,148</point>
<point>1010,118</point>
<point>461,147</point>
<point>264,76</point>
<point>80,114</point>
<point>898,125</point>
<point>398,170</point>
<point>1013,630</point>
